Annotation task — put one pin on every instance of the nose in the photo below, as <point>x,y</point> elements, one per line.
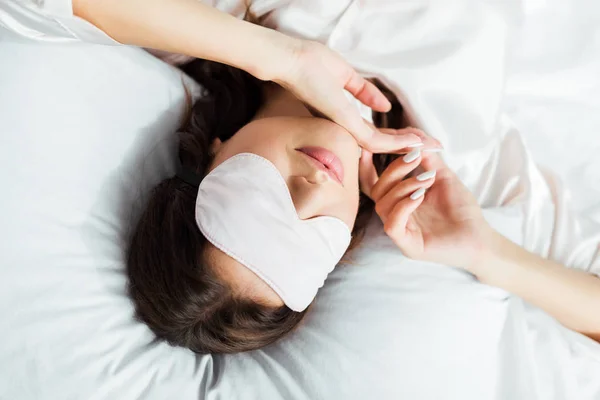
<point>317,177</point>
<point>309,195</point>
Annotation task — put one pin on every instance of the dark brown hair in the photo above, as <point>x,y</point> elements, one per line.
<point>175,291</point>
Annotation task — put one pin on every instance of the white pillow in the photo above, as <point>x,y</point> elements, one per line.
<point>86,130</point>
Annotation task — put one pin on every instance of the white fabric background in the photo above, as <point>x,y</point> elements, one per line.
<point>552,92</point>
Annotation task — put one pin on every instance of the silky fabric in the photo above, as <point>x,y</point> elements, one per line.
<point>245,209</point>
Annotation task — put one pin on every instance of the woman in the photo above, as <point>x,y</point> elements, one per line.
<point>206,299</point>
<point>445,225</point>
<point>194,292</point>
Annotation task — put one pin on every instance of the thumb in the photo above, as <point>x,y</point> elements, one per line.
<point>389,141</point>
<point>367,173</point>
<point>374,140</point>
<point>433,161</point>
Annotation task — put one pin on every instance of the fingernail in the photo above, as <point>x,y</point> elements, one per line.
<point>433,150</point>
<point>426,176</point>
<point>416,145</point>
<point>417,193</point>
<point>412,156</point>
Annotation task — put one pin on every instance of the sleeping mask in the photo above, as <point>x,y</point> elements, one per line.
<point>244,208</point>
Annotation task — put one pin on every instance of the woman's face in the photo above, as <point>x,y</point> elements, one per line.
<point>318,160</point>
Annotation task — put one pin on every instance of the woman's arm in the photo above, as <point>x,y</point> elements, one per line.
<point>569,295</point>
<point>192,28</point>
<point>313,72</point>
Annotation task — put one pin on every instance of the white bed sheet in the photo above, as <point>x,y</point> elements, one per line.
<point>553,92</point>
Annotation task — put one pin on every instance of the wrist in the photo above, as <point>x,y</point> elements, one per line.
<point>493,252</point>
<point>274,57</point>
<point>503,264</point>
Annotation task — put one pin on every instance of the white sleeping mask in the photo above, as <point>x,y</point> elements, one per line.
<point>244,208</point>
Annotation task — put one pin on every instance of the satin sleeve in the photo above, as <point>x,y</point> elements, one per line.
<point>50,21</point>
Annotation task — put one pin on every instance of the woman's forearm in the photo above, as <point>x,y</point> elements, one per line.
<point>192,28</point>
<point>571,296</point>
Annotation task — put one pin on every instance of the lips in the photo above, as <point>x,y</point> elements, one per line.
<point>326,161</point>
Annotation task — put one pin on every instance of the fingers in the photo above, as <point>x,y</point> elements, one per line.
<point>373,139</point>
<point>403,189</point>
<point>428,143</point>
<point>422,141</point>
<point>433,161</point>
<point>394,173</point>
<point>397,219</point>
<point>425,137</point>
<point>382,140</point>
<point>408,138</point>
<point>345,114</point>
<point>392,141</point>
<point>328,100</point>
<point>367,93</point>
<point>333,104</point>
<point>415,153</point>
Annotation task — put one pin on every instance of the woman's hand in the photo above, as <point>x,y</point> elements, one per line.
<point>445,225</point>
<point>317,75</point>
<point>431,216</point>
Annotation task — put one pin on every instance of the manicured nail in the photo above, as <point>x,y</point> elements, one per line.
<point>426,176</point>
<point>412,156</point>
<point>417,193</point>
<point>416,145</point>
<point>433,150</point>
